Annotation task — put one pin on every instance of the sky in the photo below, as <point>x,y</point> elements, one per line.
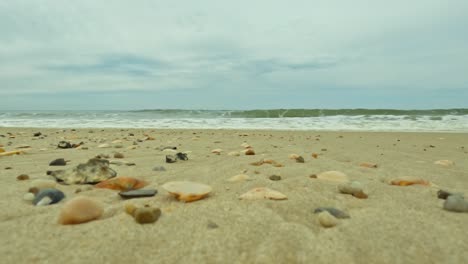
<point>212,54</point>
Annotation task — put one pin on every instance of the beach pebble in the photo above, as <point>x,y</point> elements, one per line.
<point>34,190</point>
<point>326,219</point>
<point>28,196</point>
<point>80,210</point>
<point>368,165</point>
<point>442,194</point>
<point>297,157</point>
<point>334,176</point>
<point>211,225</point>
<point>333,211</point>
<point>181,156</point>
<point>408,180</point>
<point>64,145</point>
<point>249,152</point>
<point>187,191</point>
<point>37,134</point>
<point>48,196</point>
<point>119,155</point>
<point>146,215</point>
<point>445,163</point>
<point>275,177</point>
<point>239,178</point>
<point>456,203</point>
<point>217,151</point>
<point>262,193</point>
<point>159,168</point>
<point>138,193</point>
<point>170,159</point>
<point>354,188</point>
<point>22,177</point>
<point>58,162</point>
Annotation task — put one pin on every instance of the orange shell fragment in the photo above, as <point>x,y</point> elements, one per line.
<point>406,181</point>
<point>122,184</point>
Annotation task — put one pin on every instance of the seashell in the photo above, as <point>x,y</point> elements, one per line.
<point>262,193</point>
<point>217,151</point>
<point>48,196</point>
<point>334,176</point>
<point>333,211</point>
<point>408,180</point>
<point>456,203</point>
<point>94,171</point>
<point>122,184</point>
<point>187,191</point>
<point>249,151</point>
<point>80,210</point>
<point>326,219</point>
<point>239,178</point>
<point>245,145</point>
<point>368,165</point>
<point>445,163</point>
<point>146,215</point>
<point>354,188</point>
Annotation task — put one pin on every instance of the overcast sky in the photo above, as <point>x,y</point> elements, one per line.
<point>215,54</point>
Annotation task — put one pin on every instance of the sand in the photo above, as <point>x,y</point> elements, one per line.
<point>394,225</point>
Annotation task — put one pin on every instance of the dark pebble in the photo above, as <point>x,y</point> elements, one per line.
<point>333,211</point>
<point>54,194</point>
<point>64,145</point>
<point>168,147</point>
<point>212,225</point>
<point>22,177</point>
<point>138,193</point>
<point>441,194</point>
<point>8,168</point>
<point>181,156</point>
<point>58,162</point>
<point>170,159</point>
<point>275,177</point>
<point>37,134</point>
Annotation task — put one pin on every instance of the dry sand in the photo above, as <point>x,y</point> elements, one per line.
<point>394,225</point>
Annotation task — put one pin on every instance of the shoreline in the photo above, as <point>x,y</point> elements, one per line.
<point>393,225</point>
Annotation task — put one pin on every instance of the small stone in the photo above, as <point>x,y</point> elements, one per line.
<point>182,156</point>
<point>80,210</point>
<point>34,190</point>
<point>58,162</point>
<point>138,193</point>
<point>146,215</point>
<point>8,168</point>
<point>456,203</point>
<point>78,190</point>
<point>441,194</point>
<point>333,176</point>
<point>48,196</point>
<point>354,188</point>
<point>445,163</point>
<point>333,211</point>
<point>130,208</point>
<point>22,177</point>
<point>119,155</point>
<point>249,152</point>
<point>64,145</point>
<point>314,155</point>
<point>275,177</point>
<point>326,219</point>
<point>28,196</point>
<point>170,159</point>
<point>217,151</point>
<point>159,168</point>
<point>37,134</point>
<point>211,225</point>
<point>239,178</point>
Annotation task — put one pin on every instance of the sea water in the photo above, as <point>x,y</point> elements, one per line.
<point>443,120</point>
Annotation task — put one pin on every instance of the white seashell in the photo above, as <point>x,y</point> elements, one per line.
<point>335,176</point>
<point>262,193</point>
<point>187,191</point>
<point>445,163</point>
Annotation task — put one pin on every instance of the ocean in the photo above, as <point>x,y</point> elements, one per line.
<point>440,120</point>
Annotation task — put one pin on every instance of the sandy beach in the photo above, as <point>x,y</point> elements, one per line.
<point>395,224</point>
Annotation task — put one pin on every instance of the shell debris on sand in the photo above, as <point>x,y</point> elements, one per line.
<point>354,188</point>
<point>187,191</point>
<point>122,184</point>
<point>80,210</point>
<point>48,196</point>
<point>445,163</point>
<point>368,165</point>
<point>260,193</point>
<point>409,180</point>
<point>333,176</point>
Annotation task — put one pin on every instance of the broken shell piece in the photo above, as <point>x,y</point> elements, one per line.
<point>333,211</point>
<point>368,165</point>
<point>187,191</point>
<point>217,151</point>
<point>354,188</point>
<point>239,178</point>
<point>445,163</point>
<point>326,219</point>
<point>408,180</point>
<point>122,184</point>
<point>334,176</point>
<point>263,193</point>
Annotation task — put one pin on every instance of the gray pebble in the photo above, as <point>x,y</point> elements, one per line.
<point>58,162</point>
<point>456,203</point>
<point>333,211</point>
<point>48,196</point>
